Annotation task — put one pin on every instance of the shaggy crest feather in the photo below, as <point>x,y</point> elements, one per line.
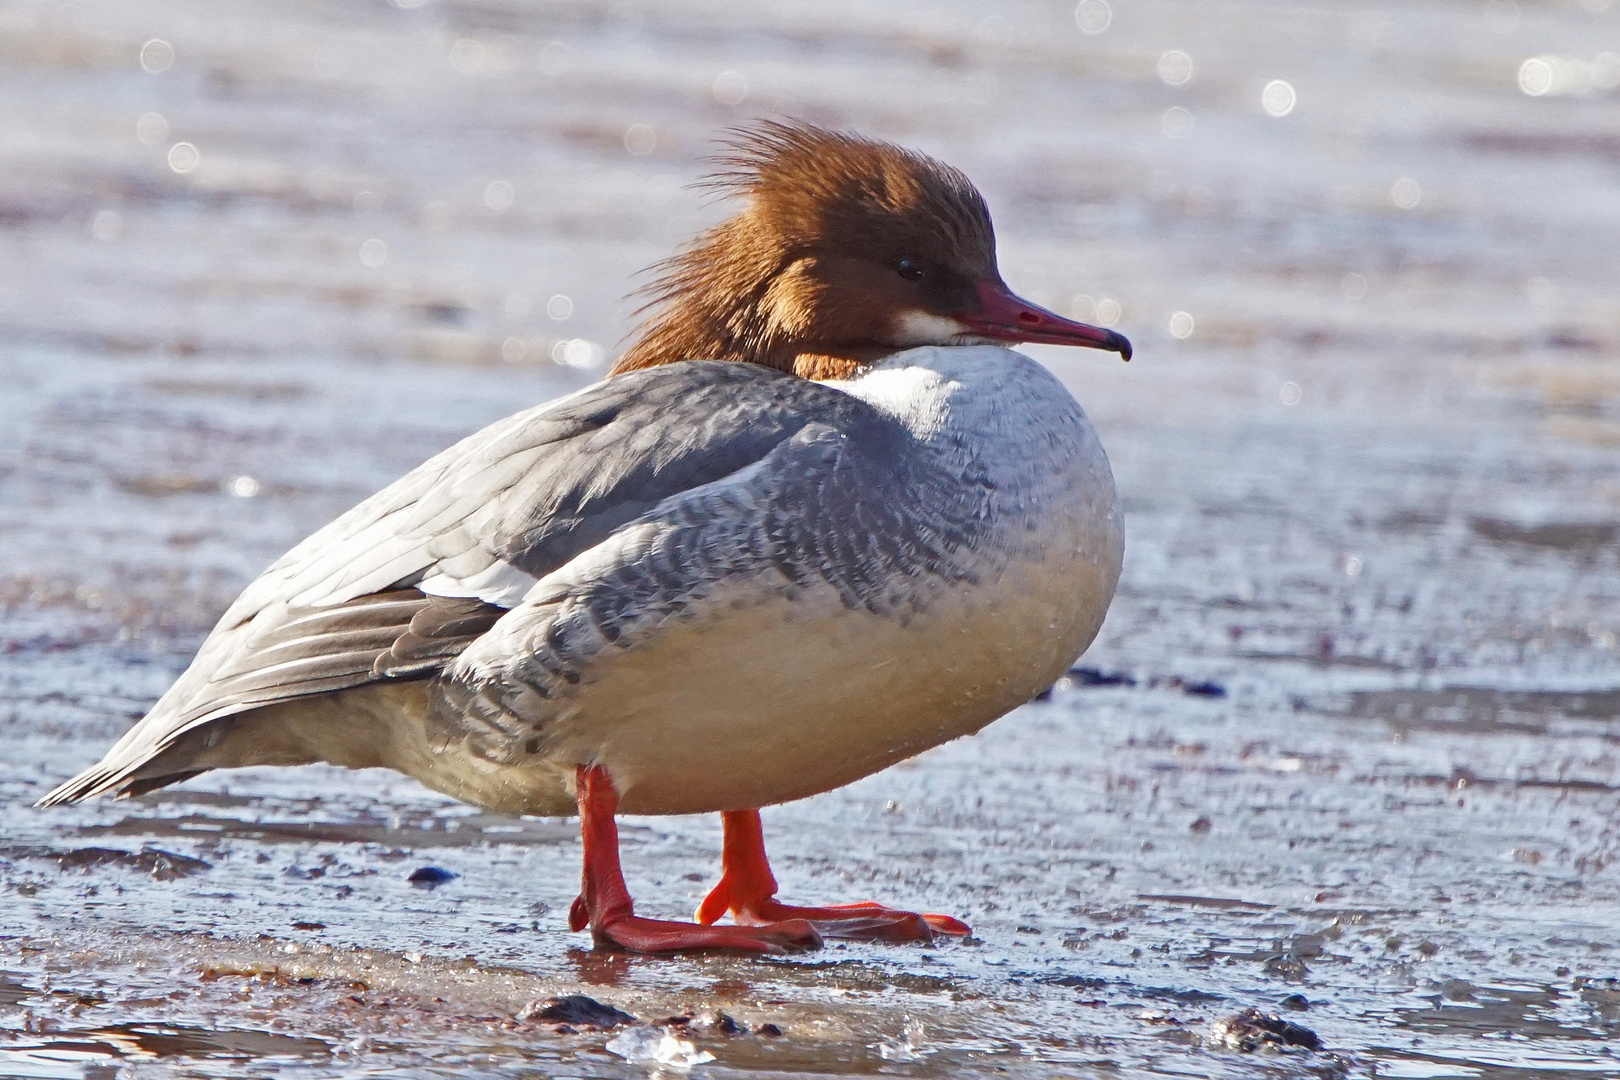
<point>756,287</point>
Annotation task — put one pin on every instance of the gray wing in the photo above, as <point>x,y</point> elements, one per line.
<point>401,584</point>
<point>852,508</point>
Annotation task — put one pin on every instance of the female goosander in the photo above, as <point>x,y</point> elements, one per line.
<point>708,582</point>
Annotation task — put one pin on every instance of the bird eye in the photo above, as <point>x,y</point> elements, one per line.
<point>910,269</point>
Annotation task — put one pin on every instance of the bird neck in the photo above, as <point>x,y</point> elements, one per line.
<point>738,295</point>
<point>689,332</point>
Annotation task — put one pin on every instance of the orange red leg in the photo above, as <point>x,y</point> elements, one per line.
<point>605,906</point>
<point>747,889</point>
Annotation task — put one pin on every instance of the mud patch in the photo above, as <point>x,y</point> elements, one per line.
<point>1587,539</point>
<point>153,1041</point>
<point>1484,710</point>
<point>155,863</point>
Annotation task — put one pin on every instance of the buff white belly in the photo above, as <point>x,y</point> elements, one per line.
<point>785,700</point>
<point>763,701</point>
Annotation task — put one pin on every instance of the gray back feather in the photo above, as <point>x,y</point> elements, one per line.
<point>523,497</point>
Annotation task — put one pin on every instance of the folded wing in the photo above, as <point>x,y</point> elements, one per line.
<point>402,584</point>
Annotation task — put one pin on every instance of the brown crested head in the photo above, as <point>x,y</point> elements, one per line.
<point>845,250</point>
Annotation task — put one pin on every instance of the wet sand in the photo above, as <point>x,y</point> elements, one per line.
<point>1348,739</point>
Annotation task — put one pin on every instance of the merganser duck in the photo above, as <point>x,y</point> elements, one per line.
<point>813,523</point>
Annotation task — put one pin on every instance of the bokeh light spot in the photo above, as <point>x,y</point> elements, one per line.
<point>577,353</point>
<point>244,487</point>
<point>157,56</point>
<point>729,88</point>
<point>373,253</point>
<point>1182,325</point>
<point>184,157</point>
<point>499,195</point>
<point>1093,16</point>
<point>1278,98</point>
<point>1405,193</point>
<point>1082,307</point>
<point>559,307</point>
<point>1109,311</point>
<point>1560,76</point>
<point>1535,76</point>
<point>513,350</point>
<point>1175,68</point>
<point>106,225</point>
<point>151,128</point>
<point>1290,393</point>
<point>467,56</point>
<point>1354,286</point>
<point>1177,123</point>
<point>640,139</point>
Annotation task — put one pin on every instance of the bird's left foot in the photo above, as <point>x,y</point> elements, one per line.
<point>747,889</point>
<point>866,921</point>
<point>624,929</point>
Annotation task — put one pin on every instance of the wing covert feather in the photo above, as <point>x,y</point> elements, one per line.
<point>477,525</point>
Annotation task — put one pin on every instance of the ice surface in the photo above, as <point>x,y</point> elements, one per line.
<point>1370,485</point>
<point>658,1046</point>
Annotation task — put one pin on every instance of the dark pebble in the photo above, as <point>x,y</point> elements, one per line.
<point>1287,966</point>
<point>575,1010</point>
<point>1252,1030</point>
<point>1204,689</point>
<point>770,1031</point>
<point>309,926</point>
<point>1296,1002</point>
<point>1089,676</point>
<point>431,877</point>
<point>160,864</point>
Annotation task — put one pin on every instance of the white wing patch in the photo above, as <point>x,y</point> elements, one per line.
<point>499,583</point>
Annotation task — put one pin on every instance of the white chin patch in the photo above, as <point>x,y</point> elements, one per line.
<point>921,328</point>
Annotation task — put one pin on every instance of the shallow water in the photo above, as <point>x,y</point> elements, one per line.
<point>1349,735</point>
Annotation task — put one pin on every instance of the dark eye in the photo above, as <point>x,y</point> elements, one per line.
<point>910,269</point>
